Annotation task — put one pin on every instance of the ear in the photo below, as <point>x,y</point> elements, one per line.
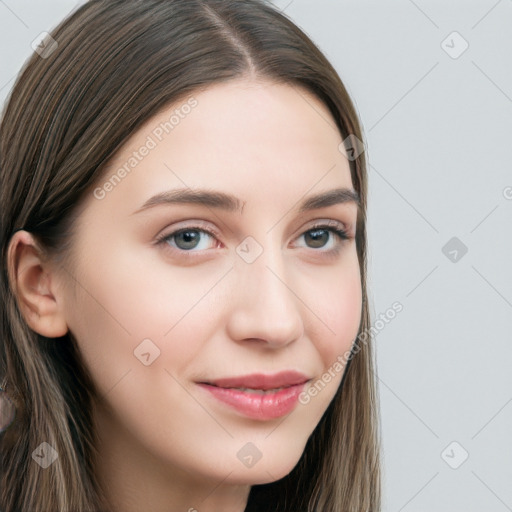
<point>35,286</point>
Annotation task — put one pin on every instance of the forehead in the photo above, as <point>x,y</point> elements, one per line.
<point>262,141</point>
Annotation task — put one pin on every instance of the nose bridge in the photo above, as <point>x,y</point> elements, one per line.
<point>266,307</point>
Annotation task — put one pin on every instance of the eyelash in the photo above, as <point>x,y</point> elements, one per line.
<point>338,231</point>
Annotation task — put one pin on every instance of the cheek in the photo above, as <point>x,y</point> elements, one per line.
<point>336,304</point>
<point>124,300</point>
<point>340,302</point>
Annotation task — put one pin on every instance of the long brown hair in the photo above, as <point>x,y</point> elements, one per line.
<point>118,63</point>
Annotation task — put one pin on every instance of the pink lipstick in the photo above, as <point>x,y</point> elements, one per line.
<point>259,396</point>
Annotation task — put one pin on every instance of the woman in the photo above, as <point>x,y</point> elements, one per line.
<point>184,269</point>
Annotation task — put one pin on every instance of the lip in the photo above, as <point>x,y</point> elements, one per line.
<point>256,404</point>
<point>261,381</point>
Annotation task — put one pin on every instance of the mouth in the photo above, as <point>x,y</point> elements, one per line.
<point>259,382</point>
<point>259,396</point>
<point>255,391</point>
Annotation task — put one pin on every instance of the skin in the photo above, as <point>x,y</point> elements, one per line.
<point>164,443</point>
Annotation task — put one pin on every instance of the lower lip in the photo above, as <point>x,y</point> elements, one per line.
<point>257,406</point>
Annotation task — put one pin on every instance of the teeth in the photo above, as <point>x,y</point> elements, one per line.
<point>259,391</point>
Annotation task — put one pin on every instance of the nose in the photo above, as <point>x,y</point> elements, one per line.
<point>265,307</point>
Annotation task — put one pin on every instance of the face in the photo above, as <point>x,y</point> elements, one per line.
<point>177,296</point>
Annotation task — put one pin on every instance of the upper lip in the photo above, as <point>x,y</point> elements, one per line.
<point>261,381</point>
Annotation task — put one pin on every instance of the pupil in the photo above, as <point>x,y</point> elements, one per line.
<point>316,236</point>
<point>189,237</point>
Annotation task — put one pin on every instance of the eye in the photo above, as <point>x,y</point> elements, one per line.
<point>185,240</point>
<point>328,233</point>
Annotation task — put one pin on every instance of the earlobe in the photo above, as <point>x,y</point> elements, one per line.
<point>34,286</point>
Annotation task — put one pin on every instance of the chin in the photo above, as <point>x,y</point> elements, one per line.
<point>264,472</point>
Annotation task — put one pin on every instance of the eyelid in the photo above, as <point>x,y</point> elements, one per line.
<point>197,223</point>
<point>190,224</point>
<point>331,223</point>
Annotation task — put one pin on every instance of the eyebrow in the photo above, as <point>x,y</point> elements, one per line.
<point>230,203</point>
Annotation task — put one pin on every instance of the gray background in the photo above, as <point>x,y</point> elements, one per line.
<point>438,127</point>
